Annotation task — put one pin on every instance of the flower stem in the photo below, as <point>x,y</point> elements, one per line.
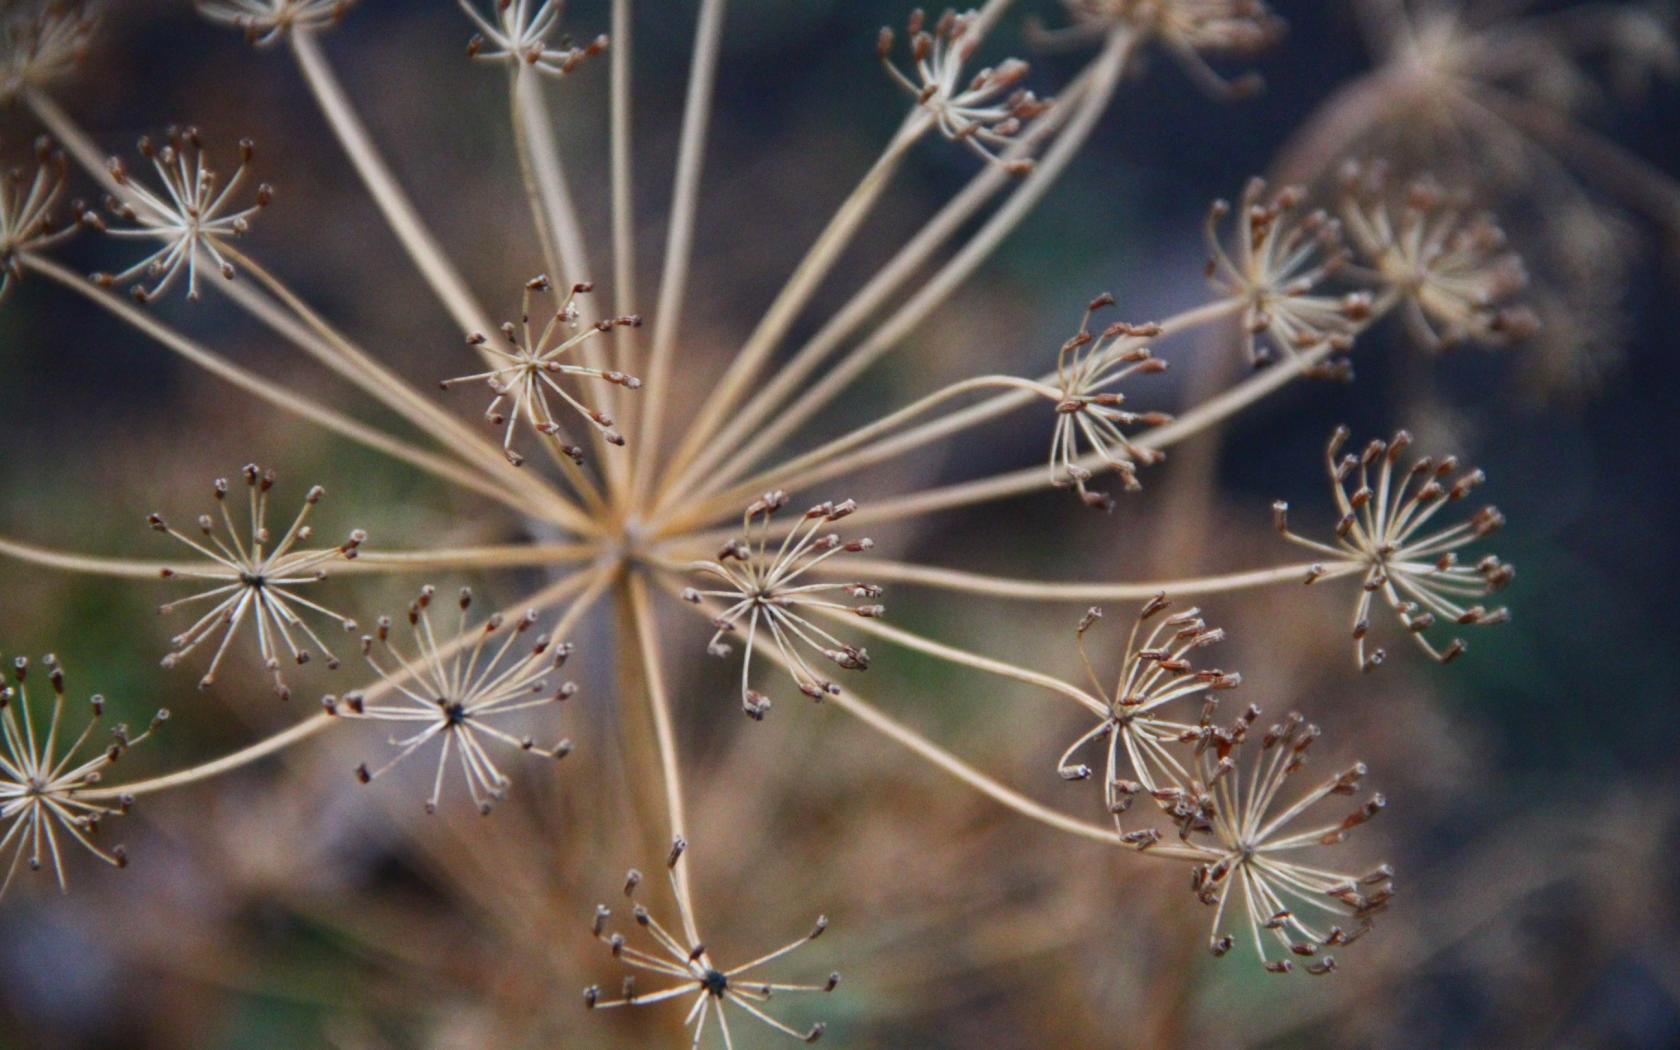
<point>1082,591</point>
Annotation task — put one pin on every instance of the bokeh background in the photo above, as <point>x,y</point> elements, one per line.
<point>1532,784</point>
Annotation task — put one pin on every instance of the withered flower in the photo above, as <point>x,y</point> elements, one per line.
<point>265,21</point>
<point>41,41</point>
<point>455,687</point>
<point>40,785</point>
<point>988,109</point>
<point>251,581</point>
<point>762,587</point>
<point>1086,367</point>
<point>518,31</point>
<point>190,217</point>
<point>1188,29</point>
<point>1450,269</point>
<point>26,222</point>
<point>1155,672</point>
<point>1275,265</point>
<point>1419,576</point>
<point>686,961</point>
<point>1243,833</point>
<point>525,373</point>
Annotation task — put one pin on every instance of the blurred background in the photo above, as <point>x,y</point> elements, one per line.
<point>1533,799</point>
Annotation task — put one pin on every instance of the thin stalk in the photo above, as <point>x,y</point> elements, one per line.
<point>332,348</point>
<point>679,241</point>
<point>647,635</point>
<point>1106,77</point>
<point>819,260</point>
<point>965,658</point>
<point>863,304</point>
<point>314,724</point>
<point>87,563</point>
<point>554,215</point>
<point>422,247</point>
<point>794,474</point>
<point>623,195</point>
<point>511,556</point>
<point>1082,591</point>
<point>70,135</point>
<point>1029,479</point>
<point>275,394</point>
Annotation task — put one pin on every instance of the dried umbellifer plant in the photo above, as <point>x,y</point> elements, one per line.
<point>635,502</point>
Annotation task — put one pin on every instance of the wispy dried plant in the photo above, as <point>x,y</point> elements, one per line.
<point>631,521</point>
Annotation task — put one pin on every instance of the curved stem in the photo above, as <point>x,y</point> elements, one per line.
<point>647,636</point>
<point>272,392</point>
<point>332,348</point>
<point>679,242</point>
<point>1106,71</point>
<point>86,563</point>
<point>908,640</point>
<point>510,556</point>
<point>819,260</point>
<point>1029,479</point>
<point>1084,591</point>
<point>445,281</point>
<point>886,281</point>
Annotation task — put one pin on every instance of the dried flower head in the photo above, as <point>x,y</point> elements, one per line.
<point>26,222</point>
<point>764,589</point>
<point>191,218</point>
<point>519,31</point>
<point>41,787</point>
<point>525,374</point>
<point>1245,840</point>
<point>1087,410</point>
<point>41,41</point>
<point>988,109</point>
<point>1155,672</point>
<point>454,689</point>
<point>1419,576</point>
<point>265,21</point>
<point>1450,269</point>
<point>1189,29</point>
<point>686,961</point>
<point>252,581</point>
<point>1276,262</point>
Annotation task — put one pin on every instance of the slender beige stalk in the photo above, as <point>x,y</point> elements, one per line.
<point>679,241</point>
<point>509,556</point>
<point>335,350</point>
<point>1081,591</point>
<point>647,636</point>
<point>1030,479</point>
<point>623,200</point>
<point>1105,78</point>
<point>422,247</point>
<point>565,252</point>
<point>70,135</point>
<point>819,260</point>
<point>908,640</point>
<point>275,394</point>
<point>87,563</point>
<point>826,462</point>
<point>886,281</point>
<point>596,581</point>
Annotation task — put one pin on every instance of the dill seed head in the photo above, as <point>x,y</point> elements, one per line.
<point>41,779</point>
<point>453,688</point>
<point>681,957</point>
<point>518,32</point>
<point>1276,262</point>
<point>191,217</point>
<point>762,587</point>
<point>1450,268</point>
<point>1141,734</point>
<point>1420,577</point>
<point>1241,830</point>
<point>26,205</point>
<point>41,42</point>
<point>265,21</point>
<point>1188,29</point>
<point>1089,414</point>
<point>254,580</point>
<point>985,111</point>
<point>525,372</point>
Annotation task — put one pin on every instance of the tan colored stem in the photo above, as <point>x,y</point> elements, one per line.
<point>1082,591</point>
